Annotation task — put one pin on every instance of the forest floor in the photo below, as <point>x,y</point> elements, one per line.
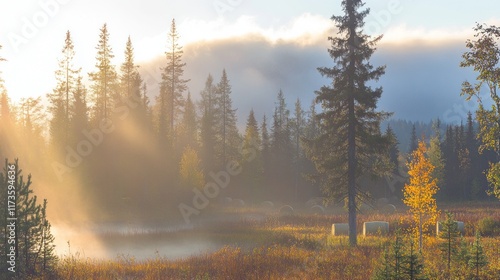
<point>252,243</point>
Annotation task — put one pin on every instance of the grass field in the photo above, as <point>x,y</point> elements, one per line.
<point>265,245</point>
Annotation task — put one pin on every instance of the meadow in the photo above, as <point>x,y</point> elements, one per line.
<point>252,243</point>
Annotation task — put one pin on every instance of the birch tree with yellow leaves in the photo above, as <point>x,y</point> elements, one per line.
<point>419,193</point>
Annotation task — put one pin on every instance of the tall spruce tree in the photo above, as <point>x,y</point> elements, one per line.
<point>451,166</point>
<point>265,150</point>
<point>62,98</point>
<point>225,118</point>
<point>413,140</point>
<point>265,145</point>
<point>298,132</point>
<point>208,127</point>
<point>435,154</point>
<point>130,81</point>
<point>147,112</point>
<point>393,150</point>
<point>252,158</point>
<point>172,87</point>
<point>80,118</point>
<point>281,147</point>
<point>131,87</point>
<point>252,136</point>
<point>188,130</point>
<point>350,125</point>
<point>312,127</point>
<point>104,79</point>
<point>32,117</point>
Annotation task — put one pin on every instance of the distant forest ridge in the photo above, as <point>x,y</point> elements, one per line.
<point>403,130</point>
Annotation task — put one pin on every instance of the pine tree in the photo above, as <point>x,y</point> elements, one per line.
<point>399,257</point>
<point>413,268</point>
<point>46,251</point>
<point>350,124</point>
<point>400,263</point>
<point>281,147</point>
<point>384,270</point>
<point>281,134</point>
<point>435,155</point>
<point>80,118</point>
<point>32,118</point>
<point>172,87</point>
<point>132,87</point>
<point>477,162</point>
<point>312,128</point>
<point>420,191</point>
<point>470,133</point>
<point>393,259</point>
<point>208,128</point>
<point>34,248</point>
<point>449,245</point>
<point>413,140</point>
<point>29,218</point>
<point>393,149</point>
<point>188,131</point>
<point>451,163</point>
<point>298,132</point>
<point>104,79</point>
<point>147,111</point>
<point>61,97</point>
<point>477,258</point>
<point>252,158</point>
<point>265,137</point>
<point>463,256</point>
<point>130,81</point>
<point>265,151</point>
<point>252,136</point>
<point>225,118</point>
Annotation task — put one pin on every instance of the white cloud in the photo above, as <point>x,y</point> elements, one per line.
<point>404,34</point>
<point>304,26</point>
<point>306,29</point>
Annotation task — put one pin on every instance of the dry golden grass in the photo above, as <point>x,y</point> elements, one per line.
<point>290,247</point>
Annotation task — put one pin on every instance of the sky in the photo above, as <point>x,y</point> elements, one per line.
<point>263,46</point>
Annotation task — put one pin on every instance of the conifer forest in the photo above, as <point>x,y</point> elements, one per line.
<point>236,139</point>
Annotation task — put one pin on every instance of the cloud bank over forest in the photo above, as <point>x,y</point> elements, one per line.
<point>422,80</point>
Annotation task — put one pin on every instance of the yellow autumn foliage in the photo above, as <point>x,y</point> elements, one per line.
<point>420,191</point>
<point>191,174</point>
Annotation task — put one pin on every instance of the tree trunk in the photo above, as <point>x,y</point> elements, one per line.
<point>351,132</point>
<point>420,233</point>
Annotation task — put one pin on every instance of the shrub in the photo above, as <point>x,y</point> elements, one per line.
<point>489,227</point>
